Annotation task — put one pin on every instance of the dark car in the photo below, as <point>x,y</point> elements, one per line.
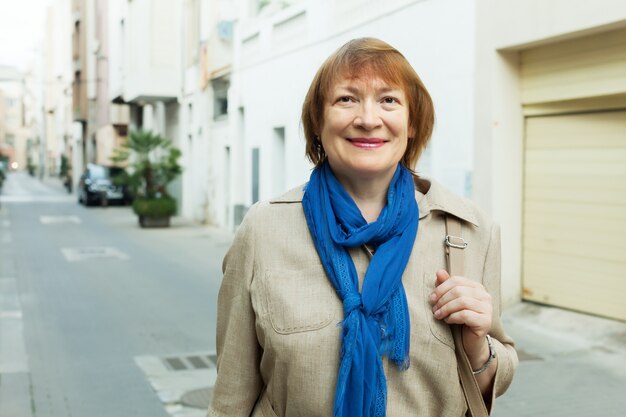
<point>96,186</point>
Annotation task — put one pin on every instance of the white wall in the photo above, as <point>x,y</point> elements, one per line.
<point>91,50</point>
<point>59,76</point>
<point>203,139</point>
<point>117,28</point>
<point>152,48</point>
<point>196,160</point>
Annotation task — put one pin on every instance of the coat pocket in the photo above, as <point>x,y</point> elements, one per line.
<point>439,328</point>
<point>299,301</point>
<point>263,408</point>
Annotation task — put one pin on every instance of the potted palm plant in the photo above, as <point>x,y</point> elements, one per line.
<point>152,165</point>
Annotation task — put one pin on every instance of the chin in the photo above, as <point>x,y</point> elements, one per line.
<point>372,170</point>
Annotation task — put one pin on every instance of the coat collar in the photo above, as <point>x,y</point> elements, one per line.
<point>430,196</point>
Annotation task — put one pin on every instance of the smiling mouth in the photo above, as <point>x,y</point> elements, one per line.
<point>367,143</point>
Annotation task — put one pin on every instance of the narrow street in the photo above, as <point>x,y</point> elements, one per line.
<point>89,303</point>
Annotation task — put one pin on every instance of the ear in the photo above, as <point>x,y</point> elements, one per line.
<point>411,132</point>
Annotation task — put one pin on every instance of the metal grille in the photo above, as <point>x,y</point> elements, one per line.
<point>189,363</point>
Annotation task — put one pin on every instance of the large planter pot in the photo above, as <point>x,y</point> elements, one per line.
<point>154,212</point>
<point>147,221</point>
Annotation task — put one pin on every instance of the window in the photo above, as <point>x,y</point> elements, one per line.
<point>255,174</point>
<point>220,97</point>
<point>278,161</point>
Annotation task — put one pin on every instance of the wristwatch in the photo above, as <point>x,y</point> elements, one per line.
<point>492,356</point>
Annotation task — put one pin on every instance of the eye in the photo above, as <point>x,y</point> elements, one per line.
<point>390,100</point>
<point>345,99</point>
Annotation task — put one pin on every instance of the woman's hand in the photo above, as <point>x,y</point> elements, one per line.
<point>459,300</point>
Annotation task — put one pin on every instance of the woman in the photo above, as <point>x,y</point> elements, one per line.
<point>335,298</point>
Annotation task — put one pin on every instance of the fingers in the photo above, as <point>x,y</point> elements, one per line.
<point>479,304</point>
<point>442,276</point>
<point>443,284</point>
<point>460,292</point>
<point>463,316</point>
<point>459,300</point>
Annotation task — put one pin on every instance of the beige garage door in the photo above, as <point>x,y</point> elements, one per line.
<point>574,225</point>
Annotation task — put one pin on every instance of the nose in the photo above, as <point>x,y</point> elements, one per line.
<point>367,117</point>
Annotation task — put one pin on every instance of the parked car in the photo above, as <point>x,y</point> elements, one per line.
<point>96,186</point>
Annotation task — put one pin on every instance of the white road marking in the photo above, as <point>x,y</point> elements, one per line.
<point>37,199</point>
<point>86,253</point>
<point>15,314</point>
<point>59,219</point>
<point>12,350</point>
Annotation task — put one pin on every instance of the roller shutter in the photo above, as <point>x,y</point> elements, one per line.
<point>574,213</point>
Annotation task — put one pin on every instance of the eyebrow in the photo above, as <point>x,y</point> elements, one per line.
<point>355,90</point>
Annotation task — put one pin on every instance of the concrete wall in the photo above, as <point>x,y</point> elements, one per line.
<point>502,30</point>
<point>12,87</point>
<point>152,42</point>
<point>57,76</point>
<point>116,54</point>
<point>202,138</point>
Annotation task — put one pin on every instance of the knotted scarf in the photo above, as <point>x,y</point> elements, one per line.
<point>376,321</point>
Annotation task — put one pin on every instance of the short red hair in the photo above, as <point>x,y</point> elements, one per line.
<point>362,58</point>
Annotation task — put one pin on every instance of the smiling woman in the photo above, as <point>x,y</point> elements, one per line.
<point>345,249</point>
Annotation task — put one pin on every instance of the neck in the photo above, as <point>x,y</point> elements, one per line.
<point>369,194</point>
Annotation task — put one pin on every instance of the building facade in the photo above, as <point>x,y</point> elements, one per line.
<point>57,82</point>
<point>16,138</point>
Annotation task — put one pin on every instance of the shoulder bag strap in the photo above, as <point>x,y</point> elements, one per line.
<point>455,244</point>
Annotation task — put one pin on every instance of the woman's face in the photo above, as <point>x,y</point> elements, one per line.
<point>365,128</point>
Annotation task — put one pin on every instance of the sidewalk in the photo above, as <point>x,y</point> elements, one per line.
<point>571,364</point>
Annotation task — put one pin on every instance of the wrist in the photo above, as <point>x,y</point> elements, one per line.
<point>476,348</point>
<point>481,363</point>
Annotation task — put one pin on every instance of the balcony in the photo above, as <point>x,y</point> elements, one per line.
<point>151,54</point>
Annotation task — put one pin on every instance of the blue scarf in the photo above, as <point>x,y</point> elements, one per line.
<point>376,321</point>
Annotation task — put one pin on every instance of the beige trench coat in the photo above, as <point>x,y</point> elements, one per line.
<point>278,338</point>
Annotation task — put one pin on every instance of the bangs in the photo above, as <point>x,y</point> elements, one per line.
<point>352,65</point>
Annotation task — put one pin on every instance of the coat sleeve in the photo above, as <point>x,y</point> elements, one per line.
<point>238,382</point>
<point>504,346</point>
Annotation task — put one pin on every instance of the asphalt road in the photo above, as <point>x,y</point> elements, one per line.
<point>85,292</point>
